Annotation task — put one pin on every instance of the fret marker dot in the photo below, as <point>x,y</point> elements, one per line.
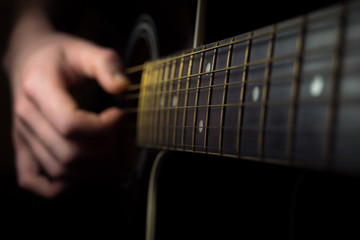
<point>208,67</point>
<point>201,126</point>
<point>255,93</point>
<point>174,101</point>
<point>317,86</point>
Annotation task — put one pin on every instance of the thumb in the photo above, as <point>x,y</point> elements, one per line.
<point>100,63</point>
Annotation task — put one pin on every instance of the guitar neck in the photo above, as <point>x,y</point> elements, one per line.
<point>288,93</point>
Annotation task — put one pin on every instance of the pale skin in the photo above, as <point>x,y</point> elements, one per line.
<point>51,134</point>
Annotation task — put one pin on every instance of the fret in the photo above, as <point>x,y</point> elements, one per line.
<point>191,99</point>
<point>163,103</point>
<point>295,89</point>
<point>242,93</point>
<point>310,129</point>
<point>181,103</point>
<point>169,111</point>
<point>177,104</point>
<point>209,118</point>
<point>226,79</point>
<point>167,100</point>
<point>203,98</point>
<point>287,93</point>
<point>145,105</point>
<point>346,149</point>
<point>187,71</point>
<point>181,83</point>
<point>149,104</point>
<point>153,85</point>
<point>256,91</point>
<point>157,99</point>
<point>148,107</point>
<point>215,98</point>
<point>194,138</point>
<point>265,93</point>
<point>280,85</point>
<point>235,81</point>
<point>141,123</point>
<point>334,88</point>
<point>174,99</point>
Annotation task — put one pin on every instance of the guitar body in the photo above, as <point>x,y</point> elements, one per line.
<point>203,196</point>
<point>195,195</point>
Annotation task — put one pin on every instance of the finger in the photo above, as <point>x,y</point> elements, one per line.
<point>47,161</point>
<point>100,63</point>
<point>47,91</point>
<point>54,151</point>
<point>28,173</point>
<point>60,148</point>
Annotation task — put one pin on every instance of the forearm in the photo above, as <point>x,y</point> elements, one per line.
<point>31,26</point>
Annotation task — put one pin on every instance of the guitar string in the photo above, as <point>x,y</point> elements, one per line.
<point>319,101</point>
<point>134,69</point>
<point>300,102</point>
<point>282,78</point>
<point>130,95</point>
<point>139,68</point>
<point>295,26</point>
<point>289,27</point>
<point>279,59</point>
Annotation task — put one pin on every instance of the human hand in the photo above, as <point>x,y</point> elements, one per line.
<point>51,133</point>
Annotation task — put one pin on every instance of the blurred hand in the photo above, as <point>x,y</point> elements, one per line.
<point>51,134</point>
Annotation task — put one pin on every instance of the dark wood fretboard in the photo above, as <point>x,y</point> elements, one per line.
<point>288,93</point>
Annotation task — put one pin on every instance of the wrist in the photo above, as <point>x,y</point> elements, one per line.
<point>31,27</point>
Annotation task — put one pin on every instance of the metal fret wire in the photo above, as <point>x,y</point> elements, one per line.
<point>197,99</point>
<point>278,78</point>
<point>177,101</point>
<point>336,71</point>
<point>209,98</point>
<point>254,36</point>
<point>140,117</point>
<point>186,100</point>
<point>162,101</point>
<point>152,102</point>
<point>242,93</point>
<point>224,95</point>
<point>146,106</point>
<point>265,94</point>
<point>169,104</point>
<point>295,90</point>
<point>157,103</point>
<point>265,61</point>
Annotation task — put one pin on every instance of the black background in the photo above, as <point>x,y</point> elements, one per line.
<point>200,196</point>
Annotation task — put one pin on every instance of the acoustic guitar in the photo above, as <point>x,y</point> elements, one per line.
<point>272,101</point>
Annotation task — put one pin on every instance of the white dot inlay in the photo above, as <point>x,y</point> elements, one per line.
<point>255,93</point>
<point>174,101</point>
<point>201,126</point>
<point>317,86</point>
<point>208,67</point>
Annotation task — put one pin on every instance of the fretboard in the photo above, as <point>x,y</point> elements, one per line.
<point>288,93</point>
